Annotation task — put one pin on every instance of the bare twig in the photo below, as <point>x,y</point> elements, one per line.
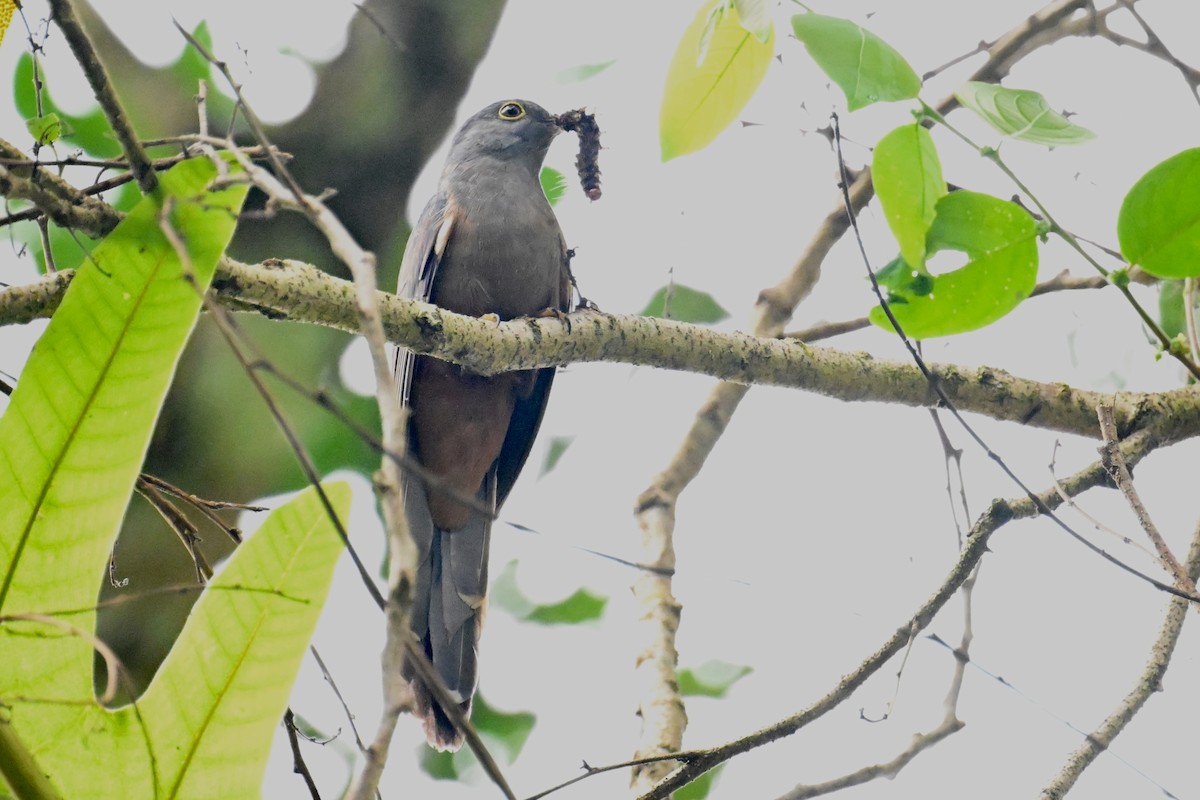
<point>180,524</point>
<point>298,764</point>
<point>1149,682</point>
<point>64,15</point>
<point>1097,524</point>
<point>1153,46</point>
<point>999,514</point>
<point>1115,464</point>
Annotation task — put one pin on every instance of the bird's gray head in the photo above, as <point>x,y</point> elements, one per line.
<point>510,130</point>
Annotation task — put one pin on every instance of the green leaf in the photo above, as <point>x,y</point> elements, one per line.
<point>582,606</point>
<point>1000,239</point>
<point>699,788</point>
<point>1159,223</point>
<point>441,766</point>
<point>89,132</point>
<point>554,184</point>
<point>685,304</point>
<point>225,684</point>
<point>72,441</point>
<point>701,99</point>
<point>1171,311</point>
<point>866,68</point>
<point>192,67</point>
<point>1021,113</point>
<point>554,451</point>
<point>711,679</point>
<point>45,129</point>
<point>509,729</point>
<point>582,72</point>
<point>908,180</point>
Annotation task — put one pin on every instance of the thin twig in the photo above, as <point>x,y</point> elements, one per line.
<point>180,524</point>
<point>1119,471</point>
<point>998,514</point>
<point>1149,682</point>
<point>298,764</point>
<point>64,15</point>
<point>1078,509</point>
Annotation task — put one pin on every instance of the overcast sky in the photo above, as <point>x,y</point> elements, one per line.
<point>817,526</point>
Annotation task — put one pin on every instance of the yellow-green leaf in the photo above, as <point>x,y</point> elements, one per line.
<point>701,98</point>
<point>909,183</point>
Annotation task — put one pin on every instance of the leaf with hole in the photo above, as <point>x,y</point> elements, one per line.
<point>866,68</point>
<point>1000,240</point>
<point>1021,113</point>
<point>716,68</point>
<point>1159,222</point>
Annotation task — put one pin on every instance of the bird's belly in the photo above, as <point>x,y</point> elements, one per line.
<point>459,422</point>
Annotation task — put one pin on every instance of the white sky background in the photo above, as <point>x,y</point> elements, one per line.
<point>817,527</point>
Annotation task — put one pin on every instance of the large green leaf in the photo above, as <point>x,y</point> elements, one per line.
<point>1159,223</point>
<point>717,67</point>
<point>74,435</point>
<point>999,237</point>
<point>908,180</point>
<point>222,689</point>
<point>866,68</point>
<point>1021,113</point>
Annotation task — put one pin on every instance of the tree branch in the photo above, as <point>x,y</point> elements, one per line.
<point>697,762</point>
<point>299,292</point>
<point>1149,682</point>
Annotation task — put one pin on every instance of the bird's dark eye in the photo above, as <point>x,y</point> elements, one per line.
<point>511,111</point>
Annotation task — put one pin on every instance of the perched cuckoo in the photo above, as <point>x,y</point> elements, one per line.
<point>486,243</point>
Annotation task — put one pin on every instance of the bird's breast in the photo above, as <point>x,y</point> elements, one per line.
<point>505,256</point>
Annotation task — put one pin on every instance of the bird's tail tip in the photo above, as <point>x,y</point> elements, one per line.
<point>440,730</point>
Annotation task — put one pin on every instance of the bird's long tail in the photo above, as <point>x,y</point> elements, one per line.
<point>447,611</point>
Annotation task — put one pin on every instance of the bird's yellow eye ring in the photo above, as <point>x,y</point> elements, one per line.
<point>511,111</point>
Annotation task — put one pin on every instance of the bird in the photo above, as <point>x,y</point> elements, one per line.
<point>486,244</point>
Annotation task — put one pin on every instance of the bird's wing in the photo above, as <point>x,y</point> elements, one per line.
<point>422,256</point>
<point>451,570</point>
<point>527,415</point>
